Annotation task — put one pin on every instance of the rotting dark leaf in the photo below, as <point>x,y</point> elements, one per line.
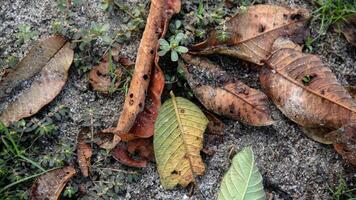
<point>37,58</point>
<point>44,89</point>
<point>245,104</point>
<point>84,152</point>
<point>321,103</point>
<point>252,32</point>
<point>50,185</point>
<point>215,125</point>
<point>344,140</point>
<point>347,27</point>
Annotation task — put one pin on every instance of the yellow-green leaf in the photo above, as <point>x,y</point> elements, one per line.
<point>242,181</point>
<point>177,141</point>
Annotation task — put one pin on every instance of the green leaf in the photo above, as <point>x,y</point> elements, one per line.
<point>164,45</point>
<point>162,52</point>
<point>177,142</point>
<point>242,181</point>
<point>179,37</point>
<point>182,49</point>
<point>174,56</point>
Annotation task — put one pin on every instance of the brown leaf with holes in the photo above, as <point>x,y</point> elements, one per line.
<point>84,152</point>
<point>45,87</point>
<point>225,95</point>
<point>50,185</point>
<point>344,140</point>
<point>146,67</point>
<point>306,90</point>
<point>347,27</point>
<point>252,32</point>
<point>37,58</point>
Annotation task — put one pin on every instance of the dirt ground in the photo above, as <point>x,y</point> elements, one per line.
<point>292,165</point>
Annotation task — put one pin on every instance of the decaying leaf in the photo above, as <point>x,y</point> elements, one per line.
<point>251,33</point>
<point>177,142</point>
<point>352,91</point>
<point>50,185</point>
<point>160,13</point>
<point>306,91</point>
<point>37,58</point>
<point>225,95</point>
<point>45,88</point>
<point>347,27</point>
<point>344,140</point>
<point>242,181</point>
<point>100,79</point>
<point>84,152</point>
<point>143,147</point>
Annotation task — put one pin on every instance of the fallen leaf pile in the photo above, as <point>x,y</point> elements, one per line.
<point>299,84</point>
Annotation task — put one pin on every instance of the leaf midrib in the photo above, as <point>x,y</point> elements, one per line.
<point>307,89</point>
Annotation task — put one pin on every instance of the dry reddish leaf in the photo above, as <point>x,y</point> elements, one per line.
<point>306,91</point>
<point>44,89</point>
<point>251,33</point>
<point>224,94</point>
<point>37,58</point>
<point>84,152</point>
<point>344,140</point>
<point>348,28</point>
<point>100,79</point>
<point>120,154</point>
<point>50,185</point>
<point>160,13</point>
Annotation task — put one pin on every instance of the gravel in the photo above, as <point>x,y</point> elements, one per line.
<point>292,165</point>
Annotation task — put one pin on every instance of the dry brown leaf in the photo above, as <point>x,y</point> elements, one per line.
<point>100,79</point>
<point>215,125</point>
<point>225,95</point>
<point>32,63</point>
<point>306,91</point>
<point>160,13</point>
<point>84,152</point>
<point>317,134</point>
<point>251,33</point>
<point>50,185</point>
<point>344,140</point>
<point>348,28</point>
<point>44,89</point>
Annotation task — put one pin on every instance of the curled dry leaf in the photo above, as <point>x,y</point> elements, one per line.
<point>177,142</point>
<point>251,33</point>
<point>215,125</point>
<point>160,13</point>
<point>50,185</point>
<point>306,91</point>
<point>344,140</point>
<point>37,58</point>
<point>347,27</point>
<point>45,88</point>
<point>84,152</point>
<point>224,94</point>
<point>100,79</point>
<point>143,147</point>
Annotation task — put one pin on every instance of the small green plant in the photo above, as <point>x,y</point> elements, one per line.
<point>25,33</point>
<point>172,46</point>
<point>96,32</point>
<point>342,191</point>
<point>331,11</point>
<point>70,191</point>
